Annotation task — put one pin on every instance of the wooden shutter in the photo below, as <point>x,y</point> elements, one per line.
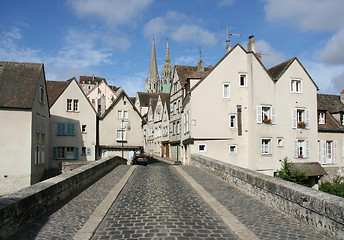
<point>273,115</point>
<point>296,152</point>
<point>72,129</point>
<point>322,151</point>
<point>306,148</point>
<point>259,114</point>
<point>307,119</point>
<point>59,128</point>
<point>76,153</point>
<point>294,119</point>
<point>335,152</point>
<point>88,151</point>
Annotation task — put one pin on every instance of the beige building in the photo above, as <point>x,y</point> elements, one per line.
<point>331,134</point>
<point>24,115</point>
<point>102,96</point>
<point>246,115</point>
<point>73,123</point>
<point>120,129</point>
<point>87,83</point>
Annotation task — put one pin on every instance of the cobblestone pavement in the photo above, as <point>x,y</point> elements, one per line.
<point>157,203</point>
<point>264,221</point>
<point>65,219</point>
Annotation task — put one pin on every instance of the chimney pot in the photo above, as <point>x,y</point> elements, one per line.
<point>251,46</point>
<point>200,67</point>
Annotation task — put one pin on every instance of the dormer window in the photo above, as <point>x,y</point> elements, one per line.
<point>296,85</point>
<point>321,118</point>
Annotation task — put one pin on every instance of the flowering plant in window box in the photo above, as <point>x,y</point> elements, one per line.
<point>300,156</point>
<point>302,124</point>
<point>267,120</point>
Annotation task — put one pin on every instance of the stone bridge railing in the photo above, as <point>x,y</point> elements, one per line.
<point>322,210</point>
<point>20,207</point>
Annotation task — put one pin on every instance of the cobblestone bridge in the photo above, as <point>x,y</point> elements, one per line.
<point>162,201</point>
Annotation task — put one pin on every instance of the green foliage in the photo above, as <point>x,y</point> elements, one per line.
<point>290,173</point>
<point>337,188</point>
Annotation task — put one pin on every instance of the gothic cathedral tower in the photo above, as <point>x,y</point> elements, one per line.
<point>153,84</point>
<point>167,72</point>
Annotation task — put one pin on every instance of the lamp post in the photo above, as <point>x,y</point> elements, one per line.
<point>122,128</point>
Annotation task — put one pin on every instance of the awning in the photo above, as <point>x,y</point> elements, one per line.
<point>310,168</point>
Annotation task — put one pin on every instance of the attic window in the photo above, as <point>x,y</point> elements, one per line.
<point>41,95</point>
<point>321,118</point>
<point>296,85</point>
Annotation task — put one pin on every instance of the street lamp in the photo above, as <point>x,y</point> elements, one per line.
<point>122,128</point>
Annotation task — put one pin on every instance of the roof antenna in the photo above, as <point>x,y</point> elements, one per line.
<point>228,35</point>
<point>200,52</point>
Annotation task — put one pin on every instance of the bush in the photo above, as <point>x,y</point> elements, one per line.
<point>337,188</point>
<point>292,174</point>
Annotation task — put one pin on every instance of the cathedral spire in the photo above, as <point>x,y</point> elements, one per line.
<point>167,58</point>
<point>152,81</point>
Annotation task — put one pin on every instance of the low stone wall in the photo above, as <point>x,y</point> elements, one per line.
<point>321,210</point>
<point>20,207</point>
<point>69,166</point>
<point>332,173</point>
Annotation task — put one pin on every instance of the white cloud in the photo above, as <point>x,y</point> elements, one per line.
<point>155,27</point>
<point>112,12</point>
<point>222,3</point>
<point>186,60</point>
<point>132,84</point>
<point>193,33</point>
<point>333,53</point>
<point>307,15</point>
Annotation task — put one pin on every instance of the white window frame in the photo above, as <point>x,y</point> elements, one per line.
<point>121,135</point>
<point>41,97</point>
<point>125,114</point>
<point>265,146</point>
<point>76,105</point>
<point>83,128</point>
<point>204,149</point>
<point>69,105</point>
<point>266,110</point>
<point>226,90</point>
<point>329,151</point>
<point>280,142</point>
<point>245,80</point>
<point>119,114</point>
<point>235,149</point>
<point>232,121</point>
<point>322,118</point>
<point>342,119</point>
<point>61,153</point>
<point>298,115</point>
<point>301,148</point>
<point>296,85</point>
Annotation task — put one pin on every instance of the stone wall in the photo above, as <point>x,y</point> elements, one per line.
<point>20,207</point>
<point>332,173</point>
<point>321,210</point>
<point>69,166</point>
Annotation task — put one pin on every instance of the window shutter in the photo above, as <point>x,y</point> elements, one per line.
<point>42,154</point>
<point>322,151</point>
<point>294,118</point>
<point>54,152</point>
<point>296,154</point>
<point>335,152</point>
<point>307,119</point>
<point>63,129</point>
<point>72,125</point>
<point>306,148</point>
<point>69,129</point>
<point>88,151</point>
<point>37,123</point>
<point>273,115</point>
<point>76,153</point>
<point>59,129</point>
<point>259,114</point>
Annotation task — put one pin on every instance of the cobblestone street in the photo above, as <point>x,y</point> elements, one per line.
<point>157,202</point>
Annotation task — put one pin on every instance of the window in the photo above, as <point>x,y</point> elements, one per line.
<point>125,114</point>
<point>178,127</point>
<point>83,128</point>
<point>41,95</point>
<point>226,90</point>
<point>343,119</point>
<point>300,118</point>
<point>121,136</point>
<point>186,122</point>
<point>42,153</point>
<point>266,115</point>
<point>202,148</point>
<point>321,118</point>
<point>38,123</point>
<point>232,121</point>
<point>280,142</point>
<point>266,146</point>
<point>174,129</point>
<point>69,104</point>
<point>119,114</point>
<point>88,151</point>
<point>42,124</point>
<point>61,152</point>
<point>76,105</point>
<point>242,80</point>
<point>65,129</point>
<point>37,155</point>
<point>301,148</point>
<point>329,152</point>
<point>83,151</point>
<point>232,149</point>
<point>175,108</point>
<point>296,85</point>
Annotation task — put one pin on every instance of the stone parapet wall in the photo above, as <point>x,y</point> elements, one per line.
<point>321,210</point>
<point>332,173</point>
<point>69,166</point>
<point>20,207</point>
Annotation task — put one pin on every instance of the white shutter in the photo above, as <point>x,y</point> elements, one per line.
<point>296,149</point>
<point>335,152</point>
<point>294,118</point>
<point>306,148</point>
<point>307,119</point>
<point>259,114</point>
<point>273,115</point>
<point>322,151</point>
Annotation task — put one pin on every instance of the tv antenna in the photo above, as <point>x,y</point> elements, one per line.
<point>200,52</point>
<point>229,33</point>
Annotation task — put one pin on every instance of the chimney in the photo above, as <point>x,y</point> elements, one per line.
<point>251,46</point>
<point>228,47</point>
<point>342,96</point>
<point>200,67</point>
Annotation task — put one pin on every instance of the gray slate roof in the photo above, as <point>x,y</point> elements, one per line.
<point>18,83</point>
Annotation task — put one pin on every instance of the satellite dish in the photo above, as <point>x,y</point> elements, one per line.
<point>98,96</point>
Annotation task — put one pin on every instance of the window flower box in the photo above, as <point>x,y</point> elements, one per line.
<point>267,120</point>
<point>300,156</point>
<point>302,124</point>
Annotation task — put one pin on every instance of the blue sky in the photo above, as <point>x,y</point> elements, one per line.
<point>113,38</point>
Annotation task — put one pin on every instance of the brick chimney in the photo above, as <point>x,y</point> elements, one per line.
<point>342,96</point>
<point>251,46</point>
<point>200,67</point>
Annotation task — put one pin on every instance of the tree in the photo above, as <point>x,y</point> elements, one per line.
<point>290,173</point>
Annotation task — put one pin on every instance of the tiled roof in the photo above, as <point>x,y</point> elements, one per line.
<point>185,72</point>
<point>331,104</point>
<point>113,88</point>
<point>55,89</point>
<point>147,98</point>
<point>277,71</point>
<point>18,83</point>
<point>93,79</point>
<point>310,168</point>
